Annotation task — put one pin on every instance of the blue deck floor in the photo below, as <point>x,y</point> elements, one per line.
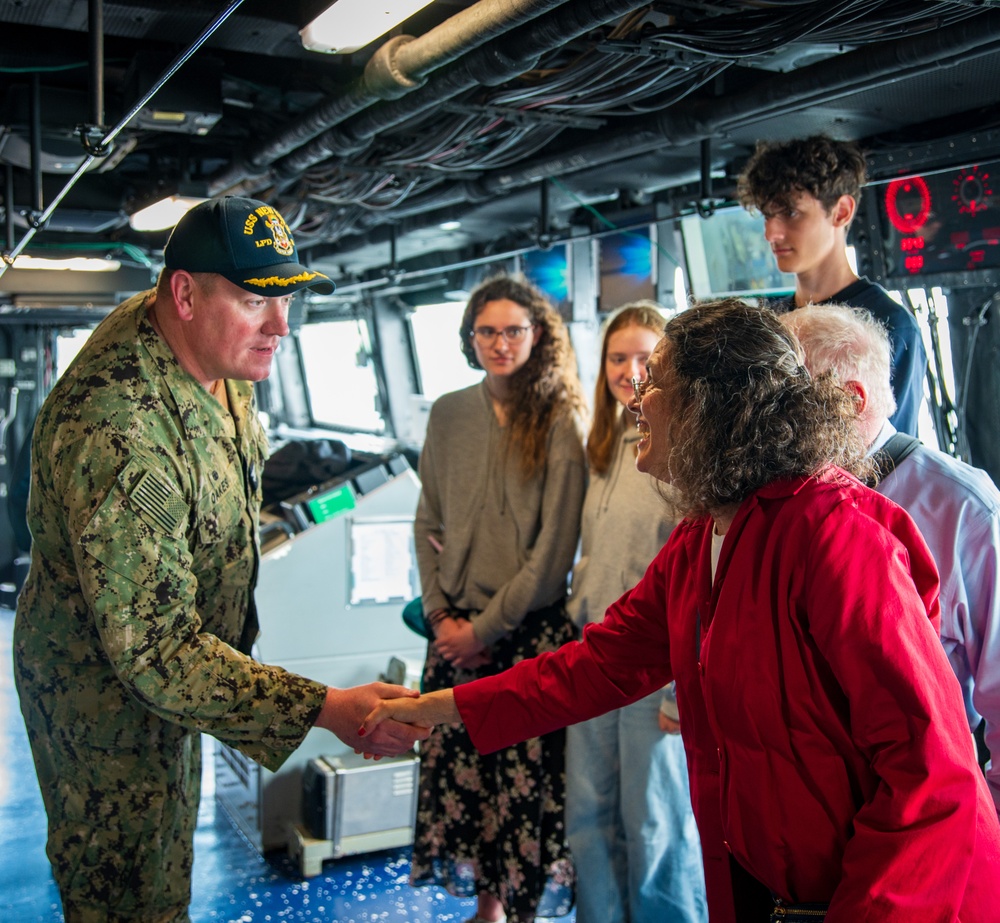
<point>231,881</point>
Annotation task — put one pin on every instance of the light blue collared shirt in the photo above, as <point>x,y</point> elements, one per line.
<point>957,509</point>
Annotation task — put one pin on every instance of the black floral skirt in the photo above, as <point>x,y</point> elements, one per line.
<point>495,823</point>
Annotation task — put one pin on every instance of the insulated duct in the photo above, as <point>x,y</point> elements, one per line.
<point>490,65</point>
<point>398,67</point>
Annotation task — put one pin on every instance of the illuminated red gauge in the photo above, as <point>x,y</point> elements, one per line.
<point>972,191</point>
<point>908,203</point>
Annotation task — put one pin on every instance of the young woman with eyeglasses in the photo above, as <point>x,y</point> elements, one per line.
<point>503,478</point>
<point>628,806</point>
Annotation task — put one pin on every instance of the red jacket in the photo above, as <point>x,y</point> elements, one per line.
<point>825,731</point>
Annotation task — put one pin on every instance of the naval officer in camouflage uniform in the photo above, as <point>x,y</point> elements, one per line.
<point>134,628</point>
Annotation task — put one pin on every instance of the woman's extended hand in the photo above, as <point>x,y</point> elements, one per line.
<point>423,712</point>
<point>343,709</point>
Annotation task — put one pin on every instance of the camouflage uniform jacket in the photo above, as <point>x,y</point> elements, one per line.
<point>144,510</point>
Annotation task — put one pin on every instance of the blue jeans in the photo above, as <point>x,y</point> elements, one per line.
<point>630,823</point>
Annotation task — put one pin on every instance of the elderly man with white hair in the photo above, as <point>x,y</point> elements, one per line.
<point>955,506</point>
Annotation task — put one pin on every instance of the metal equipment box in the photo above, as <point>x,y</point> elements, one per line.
<point>360,805</point>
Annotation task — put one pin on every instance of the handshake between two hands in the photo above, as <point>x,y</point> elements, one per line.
<point>381,719</point>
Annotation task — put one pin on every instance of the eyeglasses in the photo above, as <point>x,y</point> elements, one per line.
<point>487,336</point>
<point>639,386</point>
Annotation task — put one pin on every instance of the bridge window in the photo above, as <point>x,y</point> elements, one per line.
<point>68,344</point>
<point>440,360</point>
<point>340,376</point>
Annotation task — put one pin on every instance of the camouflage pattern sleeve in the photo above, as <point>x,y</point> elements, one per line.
<point>138,578</point>
<point>143,510</point>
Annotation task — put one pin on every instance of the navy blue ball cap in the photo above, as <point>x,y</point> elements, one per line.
<point>247,242</point>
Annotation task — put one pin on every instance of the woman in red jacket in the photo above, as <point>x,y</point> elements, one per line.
<point>796,609</point>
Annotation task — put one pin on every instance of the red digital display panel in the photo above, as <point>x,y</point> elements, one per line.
<point>908,203</point>
<point>942,222</point>
<point>973,190</point>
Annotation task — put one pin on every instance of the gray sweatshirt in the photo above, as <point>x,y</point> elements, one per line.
<point>625,524</point>
<point>507,544</point>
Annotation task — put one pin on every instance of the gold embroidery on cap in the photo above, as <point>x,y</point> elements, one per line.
<point>282,239</point>
<point>278,280</point>
<point>281,235</point>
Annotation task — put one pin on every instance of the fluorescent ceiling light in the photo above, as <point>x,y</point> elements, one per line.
<point>348,25</point>
<point>450,225</point>
<point>163,214</point>
<point>76,263</point>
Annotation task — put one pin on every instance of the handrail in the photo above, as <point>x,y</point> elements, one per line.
<point>101,147</point>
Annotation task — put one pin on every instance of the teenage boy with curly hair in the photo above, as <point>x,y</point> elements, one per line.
<point>808,190</point>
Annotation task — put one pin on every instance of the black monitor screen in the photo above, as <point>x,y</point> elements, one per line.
<point>941,222</point>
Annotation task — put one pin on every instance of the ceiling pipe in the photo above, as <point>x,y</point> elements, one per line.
<point>95,27</point>
<point>8,205</point>
<point>104,145</point>
<point>37,198</point>
<point>398,67</point>
<point>491,65</point>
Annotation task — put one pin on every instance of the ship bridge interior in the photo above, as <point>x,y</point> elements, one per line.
<point>593,145</point>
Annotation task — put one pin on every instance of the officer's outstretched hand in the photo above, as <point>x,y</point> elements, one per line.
<point>345,709</point>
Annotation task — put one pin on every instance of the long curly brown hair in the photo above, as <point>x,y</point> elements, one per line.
<point>605,427</point>
<point>743,409</point>
<point>547,385</point>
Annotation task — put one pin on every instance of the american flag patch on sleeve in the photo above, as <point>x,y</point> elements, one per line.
<point>158,501</point>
